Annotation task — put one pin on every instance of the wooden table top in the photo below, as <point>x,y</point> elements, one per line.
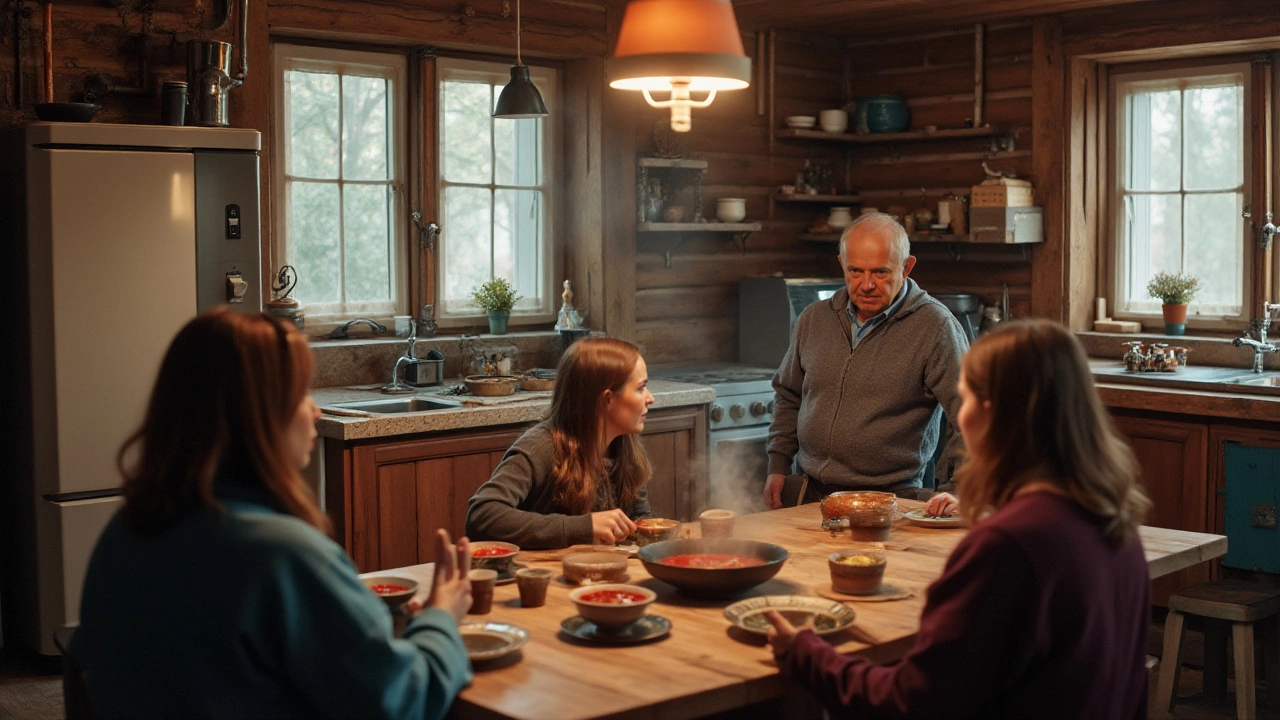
<point>705,665</point>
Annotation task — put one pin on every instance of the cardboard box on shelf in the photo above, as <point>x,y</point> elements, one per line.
<point>1003,192</point>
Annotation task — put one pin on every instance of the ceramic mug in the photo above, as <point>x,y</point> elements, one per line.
<point>833,121</point>
<point>731,210</point>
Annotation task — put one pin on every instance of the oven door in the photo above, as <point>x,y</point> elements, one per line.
<point>739,466</point>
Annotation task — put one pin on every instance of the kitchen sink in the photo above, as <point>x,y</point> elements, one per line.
<point>1260,381</point>
<point>397,405</point>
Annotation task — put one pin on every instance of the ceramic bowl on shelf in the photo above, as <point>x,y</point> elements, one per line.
<point>731,210</point>
<point>833,121</point>
<point>801,122</point>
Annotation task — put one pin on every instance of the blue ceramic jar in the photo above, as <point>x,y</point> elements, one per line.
<point>882,114</point>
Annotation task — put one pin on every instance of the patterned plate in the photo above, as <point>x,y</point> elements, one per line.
<point>825,616</point>
<point>646,628</point>
<point>945,521</point>
<point>489,640</point>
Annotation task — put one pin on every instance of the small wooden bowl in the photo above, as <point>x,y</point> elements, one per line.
<point>594,567</point>
<point>856,572</point>
<point>537,380</point>
<point>492,385</point>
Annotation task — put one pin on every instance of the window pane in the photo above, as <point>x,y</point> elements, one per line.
<point>517,151</point>
<point>517,241</point>
<point>1155,143</point>
<point>313,115</point>
<point>466,237</point>
<point>313,241</point>
<point>1155,238</point>
<point>465,140</point>
<point>1214,248</point>
<point>368,260</point>
<point>1215,158</point>
<point>365,132</point>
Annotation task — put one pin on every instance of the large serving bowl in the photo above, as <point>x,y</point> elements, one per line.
<point>715,582</point>
<point>612,607</point>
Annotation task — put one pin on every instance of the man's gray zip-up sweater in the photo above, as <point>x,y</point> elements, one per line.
<point>865,418</point>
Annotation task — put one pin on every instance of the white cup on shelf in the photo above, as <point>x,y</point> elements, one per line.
<point>833,121</point>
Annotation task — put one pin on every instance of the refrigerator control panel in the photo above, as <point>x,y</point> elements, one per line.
<point>233,222</point>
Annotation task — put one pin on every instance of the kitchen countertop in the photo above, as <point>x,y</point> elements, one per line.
<point>347,427</point>
<point>1193,390</point>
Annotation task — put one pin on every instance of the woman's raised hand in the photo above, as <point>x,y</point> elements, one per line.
<point>610,526</point>
<point>451,589</point>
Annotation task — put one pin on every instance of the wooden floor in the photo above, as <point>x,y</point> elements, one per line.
<point>31,688</point>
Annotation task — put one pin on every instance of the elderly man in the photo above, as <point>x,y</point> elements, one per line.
<point>868,372</point>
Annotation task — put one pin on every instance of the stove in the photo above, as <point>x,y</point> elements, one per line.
<point>744,393</point>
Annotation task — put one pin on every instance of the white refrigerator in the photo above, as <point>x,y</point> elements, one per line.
<point>113,237</point>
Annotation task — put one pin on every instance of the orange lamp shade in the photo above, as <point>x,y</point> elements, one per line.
<point>696,40</point>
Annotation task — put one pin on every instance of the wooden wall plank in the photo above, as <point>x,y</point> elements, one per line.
<point>1048,105</point>
<point>1191,24</point>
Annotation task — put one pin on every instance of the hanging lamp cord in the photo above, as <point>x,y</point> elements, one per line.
<point>518,61</point>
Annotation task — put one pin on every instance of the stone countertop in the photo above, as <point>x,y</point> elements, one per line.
<point>350,427</point>
<point>1192,390</point>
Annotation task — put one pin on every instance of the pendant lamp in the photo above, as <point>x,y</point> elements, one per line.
<point>679,47</point>
<point>520,98</point>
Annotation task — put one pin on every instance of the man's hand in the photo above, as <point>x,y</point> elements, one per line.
<point>451,588</point>
<point>610,526</point>
<point>782,634</point>
<point>773,490</point>
<point>941,505</point>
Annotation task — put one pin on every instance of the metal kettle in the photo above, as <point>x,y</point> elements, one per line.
<point>209,75</point>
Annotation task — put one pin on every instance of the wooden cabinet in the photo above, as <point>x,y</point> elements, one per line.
<point>386,497</point>
<point>1173,457</point>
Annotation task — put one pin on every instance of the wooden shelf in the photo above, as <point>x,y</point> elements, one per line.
<point>679,163</point>
<point>802,198</point>
<point>698,227</point>
<point>831,238</point>
<point>879,138</point>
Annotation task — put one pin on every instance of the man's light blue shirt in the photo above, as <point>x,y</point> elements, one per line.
<point>861,329</point>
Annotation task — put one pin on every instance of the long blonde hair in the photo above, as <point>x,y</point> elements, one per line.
<point>588,368</point>
<point>228,388</point>
<point>1046,423</point>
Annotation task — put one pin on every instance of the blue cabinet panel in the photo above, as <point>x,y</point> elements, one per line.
<point>1252,492</point>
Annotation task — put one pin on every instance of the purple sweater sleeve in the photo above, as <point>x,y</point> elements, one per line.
<point>976,631</point>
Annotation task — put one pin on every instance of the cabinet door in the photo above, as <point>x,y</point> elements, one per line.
<point>676,441</point>
<point>1251,436</point>
<point>1173,459</point>
<point>401,492</point>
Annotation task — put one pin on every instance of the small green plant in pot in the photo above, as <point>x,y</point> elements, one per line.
<point>497,297</point>
<point>1175,290</point>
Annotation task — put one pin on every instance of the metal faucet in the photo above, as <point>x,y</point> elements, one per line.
<point>1259,327</point>
<point>395,387</point>
<point>341,333</point>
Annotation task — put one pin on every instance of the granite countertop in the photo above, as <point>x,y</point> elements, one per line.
<point>530,407</point>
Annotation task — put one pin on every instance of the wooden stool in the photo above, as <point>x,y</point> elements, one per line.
<point>1240,603</point>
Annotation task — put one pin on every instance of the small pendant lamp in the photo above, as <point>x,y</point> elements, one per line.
<point>679,46</point>
<point>520,98</point>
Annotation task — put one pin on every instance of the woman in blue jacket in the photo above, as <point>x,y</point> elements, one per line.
<point>215,591</point>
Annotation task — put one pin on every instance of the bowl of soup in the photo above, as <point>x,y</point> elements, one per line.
<point>713,567</point>
<point>612,607</point>
<point>493,555</point>
<point>652,530</point>
<point>856,572</point>
<point>394,590</point>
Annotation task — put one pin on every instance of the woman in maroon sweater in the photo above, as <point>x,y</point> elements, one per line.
<point>1042,608</point>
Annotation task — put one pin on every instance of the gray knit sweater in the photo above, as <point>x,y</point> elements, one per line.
<point>516,504</point>
<point>866,418</point>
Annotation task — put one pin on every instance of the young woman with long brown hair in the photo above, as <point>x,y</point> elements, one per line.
<point>215,592</point>
<point>1042,609</point>
<point>579,475</point>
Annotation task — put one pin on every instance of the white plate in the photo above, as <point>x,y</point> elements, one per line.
<point>824,616</point>
<point>920,518</point>
<point>489,640</point>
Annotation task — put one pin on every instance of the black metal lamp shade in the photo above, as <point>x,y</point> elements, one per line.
<point>520,98</point>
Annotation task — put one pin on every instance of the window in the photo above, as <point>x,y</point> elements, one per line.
<point>340,173</point>
<point>1179,187</point>
<point>495,200</point>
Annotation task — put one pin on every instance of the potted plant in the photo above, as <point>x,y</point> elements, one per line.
<point>1175,291</point>
<point>497,297</point>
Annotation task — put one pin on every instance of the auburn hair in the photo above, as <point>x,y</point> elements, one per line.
<point>228,387</point>
<point>588,369</point>
<point>1046,423</point>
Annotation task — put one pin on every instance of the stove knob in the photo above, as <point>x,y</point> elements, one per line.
<point>769,409</point>
<point>717,413</point>
<point>758,409</point>
<point>736,411</point>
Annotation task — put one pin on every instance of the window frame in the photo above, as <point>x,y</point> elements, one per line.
<point>1116,255</point>
<point>393,67</point>
<point>548,81</point>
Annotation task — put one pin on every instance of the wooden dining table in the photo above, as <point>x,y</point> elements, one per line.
<point>706,665</point>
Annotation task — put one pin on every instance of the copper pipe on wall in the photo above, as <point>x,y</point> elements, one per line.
<point>979,80</point>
